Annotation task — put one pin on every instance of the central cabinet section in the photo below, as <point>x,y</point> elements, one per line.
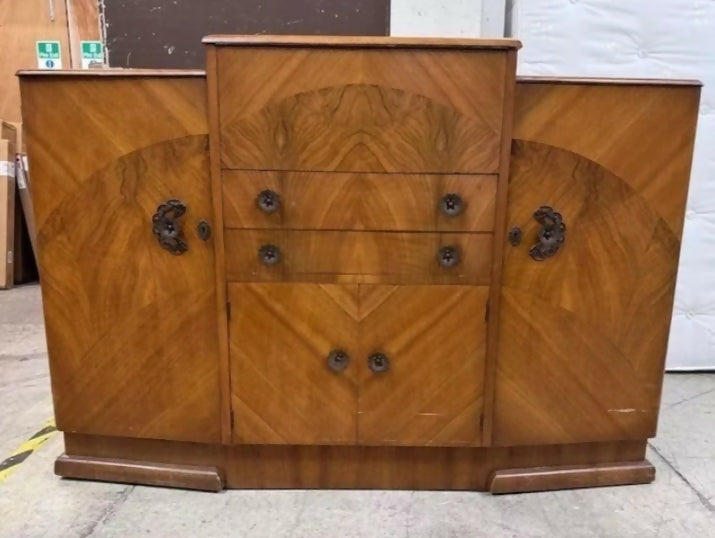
<point>356,363</point>
<point>359,197</point>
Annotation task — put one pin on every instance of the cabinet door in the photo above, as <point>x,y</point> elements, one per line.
<point>426,388</point>
<point>583,333</point>
<point>131,328</point>
<point>286,388</point>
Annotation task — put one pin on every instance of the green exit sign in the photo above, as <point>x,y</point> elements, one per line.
<point>92,54</point>
<point>49,55</point>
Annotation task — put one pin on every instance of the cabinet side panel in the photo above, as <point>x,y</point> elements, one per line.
<point>131,328</point>
<point>583,334</point>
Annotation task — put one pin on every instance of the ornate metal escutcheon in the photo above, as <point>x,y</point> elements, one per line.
<point>551,235</point>
<point>515,236</point>
<point>269,254</point>
<point>167,227</point>
<point>378,363</point>
<point>338,360</point>
<point>203,230</point>
<point>268,201</point>
<point>451,205</point>
<point>449,256</point>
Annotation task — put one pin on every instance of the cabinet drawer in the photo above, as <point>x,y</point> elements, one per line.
<point>357,257</point>
<point>376,110</point>
<point>359,201</point>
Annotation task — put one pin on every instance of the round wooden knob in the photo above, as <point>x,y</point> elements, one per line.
<point>338,360</point>
<point>269,254</point>
<point>378,363</point>
<point>268,201</point>
<point>451,205</point>
<point>449,256</point>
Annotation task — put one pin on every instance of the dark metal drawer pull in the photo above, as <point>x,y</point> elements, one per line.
<point>451,205</point>
<point>269,254</point>
<point>166,226</point>
<point>551,235</point>
<point>338,360</point>
<point>268,201</point>
<point>378,363</point>
<point>449,256</point>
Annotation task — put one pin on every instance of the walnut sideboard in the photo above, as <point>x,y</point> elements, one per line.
<point>357,263</point>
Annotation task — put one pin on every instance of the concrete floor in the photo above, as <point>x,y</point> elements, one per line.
<point>33,502</point>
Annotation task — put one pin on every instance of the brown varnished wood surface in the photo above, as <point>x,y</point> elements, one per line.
<point>494,301</point>
<point>282,390</point>
<point>361,110</point>
<point>281,466</point>
<point>357,257</point>
<point>571,476</point>
<point>219,251</point>
<point>360,41</point>
<point>113,73</point>
<point>590,81</point>
<point>643,134</point>
<point>582,335</point>
<point>139,472</point>
<point>181,105</point>
<point>131,329</point>
<point>432,393</point>
<point>352,201</point>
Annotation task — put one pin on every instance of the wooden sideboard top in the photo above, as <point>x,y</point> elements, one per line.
<point>113,72</point>
<point>360,42</point>
<point>609,81</point>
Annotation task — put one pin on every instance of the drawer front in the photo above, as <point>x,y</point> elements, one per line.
<point>283,388</point>
<point>378,110</point>
<point>358,201</point>
<point>429,389</point>
<point>356,257</point>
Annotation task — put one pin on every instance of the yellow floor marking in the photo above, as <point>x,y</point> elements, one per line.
<point>21,453</point>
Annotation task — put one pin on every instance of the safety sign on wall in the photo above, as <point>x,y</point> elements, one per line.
<point>92,54</point>
<point>49,55</point>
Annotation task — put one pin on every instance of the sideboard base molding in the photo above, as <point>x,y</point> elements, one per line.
<point>495,469</point>
<point>139,472</point>
<point>571,477</point>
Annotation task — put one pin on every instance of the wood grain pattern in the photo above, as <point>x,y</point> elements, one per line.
<point>24,23</point>
<point>139,472</point>
<point>277,466</point>
<point>583,334</point>
<point>434,337</point>
<point>176,107</point>
<point>282,390</point>
<point>361,110</point>
<point>219,250</point>
<point>642,133</point>
<point>349,201</point>
<point>572,476</point>
<point>131,329</point>
<point>494,304</point>
<point>357,257</point>
<point>361,41</point>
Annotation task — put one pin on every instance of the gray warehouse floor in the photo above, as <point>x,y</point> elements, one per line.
<point>33,502</point>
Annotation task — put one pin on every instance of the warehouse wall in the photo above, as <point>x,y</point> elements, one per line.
<point>167,33</point>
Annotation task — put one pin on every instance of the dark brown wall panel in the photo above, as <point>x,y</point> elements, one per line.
<point>167,33</point>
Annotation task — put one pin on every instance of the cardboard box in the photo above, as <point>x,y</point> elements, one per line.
<point>7,213</point>
<point>12,131</point>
